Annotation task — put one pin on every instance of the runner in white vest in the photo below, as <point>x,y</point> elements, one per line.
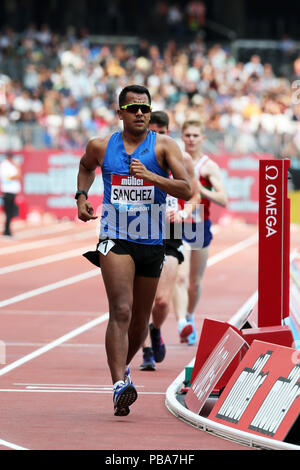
<point>154,348</point>
<point>189,281</point>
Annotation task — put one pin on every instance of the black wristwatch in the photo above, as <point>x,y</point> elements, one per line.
<point>81,192</point>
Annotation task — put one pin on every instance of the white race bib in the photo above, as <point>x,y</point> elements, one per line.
<point>127,189</point>
<point>171,202</point>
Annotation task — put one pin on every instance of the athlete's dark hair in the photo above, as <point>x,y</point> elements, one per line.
<point>160,118</point>
<point>140,90</point>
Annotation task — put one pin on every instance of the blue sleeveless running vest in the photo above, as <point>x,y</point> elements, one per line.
<point>133,209</point>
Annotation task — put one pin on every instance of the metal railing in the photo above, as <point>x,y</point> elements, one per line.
<point>19,135</point>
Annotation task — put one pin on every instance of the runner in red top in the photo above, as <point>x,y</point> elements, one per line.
<point>154,349</point>
<point>189,281</point>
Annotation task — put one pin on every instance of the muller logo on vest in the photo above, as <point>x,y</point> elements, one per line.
<point>131,190</point>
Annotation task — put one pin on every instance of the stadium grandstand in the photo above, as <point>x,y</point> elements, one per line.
<point>60,74</point>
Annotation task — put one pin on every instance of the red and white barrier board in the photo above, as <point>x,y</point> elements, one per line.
<point>212,369</point>
<point>263,395</point>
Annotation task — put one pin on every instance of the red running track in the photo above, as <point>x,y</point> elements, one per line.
<point>55,385</point>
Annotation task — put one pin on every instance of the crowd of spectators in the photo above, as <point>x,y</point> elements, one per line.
<point>62,90</point>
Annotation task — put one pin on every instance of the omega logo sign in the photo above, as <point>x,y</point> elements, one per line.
<point>271,202</point>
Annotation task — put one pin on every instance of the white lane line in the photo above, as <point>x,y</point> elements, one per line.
<point>11,311</point>
<point>54,344</point>
<point>228,252</point>
<point>43,230</point>
<point>72,253</point>
<point>44,260</point>
<point>231,250</point>
<point>69,387</point>
<point>49,287</point>
<point>11,445</point>
<point>48,242</point>
<point>211,261</point>
<point>18,344</point>
<point>72,391</point>
<point>216,258</point>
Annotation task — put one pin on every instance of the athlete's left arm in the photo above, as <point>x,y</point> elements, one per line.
<point>218,195</point>
<point>171,154</point>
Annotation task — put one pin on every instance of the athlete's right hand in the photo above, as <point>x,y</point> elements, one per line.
<point>85,211</point>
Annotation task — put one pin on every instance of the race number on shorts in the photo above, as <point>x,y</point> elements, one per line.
<point>105,246</point>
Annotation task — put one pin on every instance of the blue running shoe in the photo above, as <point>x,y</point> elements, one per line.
<point>124,395</point>
<point>158,346</point>
<point>148,360</point>
<point>192,338</point>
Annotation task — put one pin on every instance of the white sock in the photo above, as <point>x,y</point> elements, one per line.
<point>117,384</point>
<point>190,316</point>
<point>181,323</point>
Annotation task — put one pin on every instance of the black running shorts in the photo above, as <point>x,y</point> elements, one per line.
<point>148,259</point>
<point>174,248</point>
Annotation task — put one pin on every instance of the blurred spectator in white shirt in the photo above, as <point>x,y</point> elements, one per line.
<point>10,175</point>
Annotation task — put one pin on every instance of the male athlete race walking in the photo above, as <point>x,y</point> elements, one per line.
<point>135,167</point>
